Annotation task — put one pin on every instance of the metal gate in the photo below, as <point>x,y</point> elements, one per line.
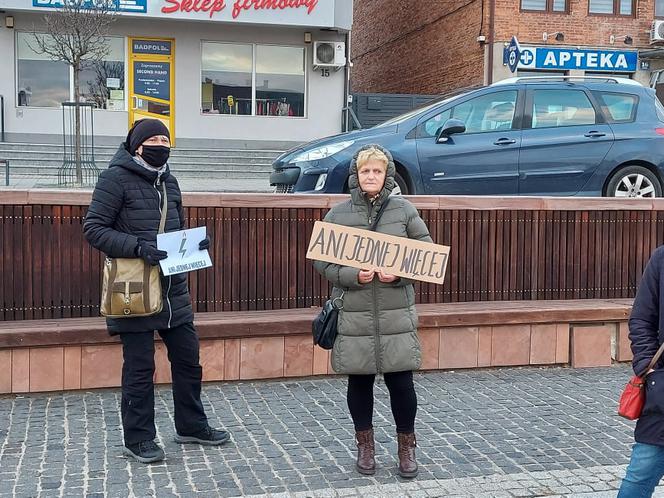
<point>374,108</point>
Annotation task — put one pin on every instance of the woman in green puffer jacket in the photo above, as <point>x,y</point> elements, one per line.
<point>377,327</point>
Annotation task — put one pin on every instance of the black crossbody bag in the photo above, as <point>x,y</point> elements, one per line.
<point>324,326</point>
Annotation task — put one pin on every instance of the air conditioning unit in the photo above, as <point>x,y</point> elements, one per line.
<point>329,54</point>
<point>657,32</point>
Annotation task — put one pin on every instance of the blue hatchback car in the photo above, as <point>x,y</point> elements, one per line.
<point>589,136</point>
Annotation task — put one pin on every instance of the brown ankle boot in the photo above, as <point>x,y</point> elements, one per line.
<point>366,450</point>
<point>407,462</point>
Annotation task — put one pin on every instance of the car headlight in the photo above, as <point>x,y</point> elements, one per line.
<point>321,152</point>
<point>321,181</point>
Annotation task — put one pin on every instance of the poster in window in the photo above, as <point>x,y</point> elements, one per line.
<point>152,79</point>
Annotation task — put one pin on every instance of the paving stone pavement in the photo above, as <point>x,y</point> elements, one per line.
<point>483,433</point>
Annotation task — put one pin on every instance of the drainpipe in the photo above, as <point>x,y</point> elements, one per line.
<point>492,14</point>
<point>346,121</point>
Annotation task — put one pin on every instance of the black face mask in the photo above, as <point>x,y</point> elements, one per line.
<point>155,155</point>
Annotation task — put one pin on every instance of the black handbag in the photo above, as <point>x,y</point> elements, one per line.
<point>324,326</point>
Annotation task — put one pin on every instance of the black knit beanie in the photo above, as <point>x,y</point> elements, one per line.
<point>142,130</point>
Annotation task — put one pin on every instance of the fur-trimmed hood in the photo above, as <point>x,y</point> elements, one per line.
<point>353,181</point>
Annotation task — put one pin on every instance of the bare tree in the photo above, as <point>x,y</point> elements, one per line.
<point>77,33</point>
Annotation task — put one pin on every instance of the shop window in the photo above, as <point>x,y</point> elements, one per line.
<point>279,81</point>
<point>226,79</point>
<point>103,82</point>
<point>545,5</point>
<point>612,7</point>
<point>42,82</point>
<point>260,80</point>
<point>556,108</point>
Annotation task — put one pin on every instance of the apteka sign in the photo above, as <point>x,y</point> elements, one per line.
<point>571,58</point>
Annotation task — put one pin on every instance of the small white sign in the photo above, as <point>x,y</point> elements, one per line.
<point>183,253</point>
<point>112,82</point>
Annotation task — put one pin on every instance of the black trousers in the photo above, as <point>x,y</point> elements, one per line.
<point>138,387</point>
<point>403,400</point>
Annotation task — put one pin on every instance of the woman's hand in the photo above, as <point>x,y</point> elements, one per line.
<point>366,276</point>
<point>386,278</point>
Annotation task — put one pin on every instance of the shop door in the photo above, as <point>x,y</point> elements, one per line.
<point>151,81</point>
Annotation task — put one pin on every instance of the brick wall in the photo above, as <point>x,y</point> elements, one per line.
<point>579,27</point>
<point>430,47</point>
<point>420,47</point>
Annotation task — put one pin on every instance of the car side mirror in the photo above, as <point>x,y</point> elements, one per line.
<point>451,127</point>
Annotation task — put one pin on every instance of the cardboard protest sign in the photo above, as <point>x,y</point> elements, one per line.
<point>365,249</point>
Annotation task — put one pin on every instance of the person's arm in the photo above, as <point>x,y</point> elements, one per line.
<point>107,201</point>
<point>341,276</point>
<point>203,244</point>
<point>644,319</point>
<point>417,230</point>
<point>183,220</point>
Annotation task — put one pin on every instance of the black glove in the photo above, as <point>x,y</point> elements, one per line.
<point>204,244</point>
<point>149,253</point>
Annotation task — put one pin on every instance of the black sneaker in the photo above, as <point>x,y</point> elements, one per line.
<point>144,452</point>
<point>207,436</point>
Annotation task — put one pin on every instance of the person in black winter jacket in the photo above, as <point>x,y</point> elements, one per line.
<point>122,222</point>
<point>646,333</point>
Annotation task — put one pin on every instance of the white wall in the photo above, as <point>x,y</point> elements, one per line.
<point>325,97</point>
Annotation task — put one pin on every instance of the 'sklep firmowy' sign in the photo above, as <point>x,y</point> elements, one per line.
<point>333,14</point>
<point>238,6</point>
<point>571,58</point>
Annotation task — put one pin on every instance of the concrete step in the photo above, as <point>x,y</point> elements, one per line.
<point>10,153</point>
<point>20,167</point>
<point>16,159</point>
<point>109,151</point>
<point>174,164</point>
<point>181,175</point>
<point>44,160</point>
<point>221,173</point>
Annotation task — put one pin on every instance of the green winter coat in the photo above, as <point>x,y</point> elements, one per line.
<point>378,323</point>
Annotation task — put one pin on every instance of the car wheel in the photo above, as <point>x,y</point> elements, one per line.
<point>401,187</point>
<point>634,181</point>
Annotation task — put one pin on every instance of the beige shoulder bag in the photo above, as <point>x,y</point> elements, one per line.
<point>131,287</point>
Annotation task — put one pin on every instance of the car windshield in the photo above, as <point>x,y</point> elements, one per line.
<point>403,117</point>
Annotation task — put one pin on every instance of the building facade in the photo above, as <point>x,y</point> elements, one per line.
<point>439,46</point>
<point>236,73</point>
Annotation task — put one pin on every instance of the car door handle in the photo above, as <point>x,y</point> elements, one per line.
<point>594,134</point>
<point>504,141</point>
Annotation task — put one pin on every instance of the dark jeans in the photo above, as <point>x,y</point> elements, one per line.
<point>138,387</point>
<point>403,400</point>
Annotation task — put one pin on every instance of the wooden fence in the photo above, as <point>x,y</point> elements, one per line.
<point>501,249</point>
